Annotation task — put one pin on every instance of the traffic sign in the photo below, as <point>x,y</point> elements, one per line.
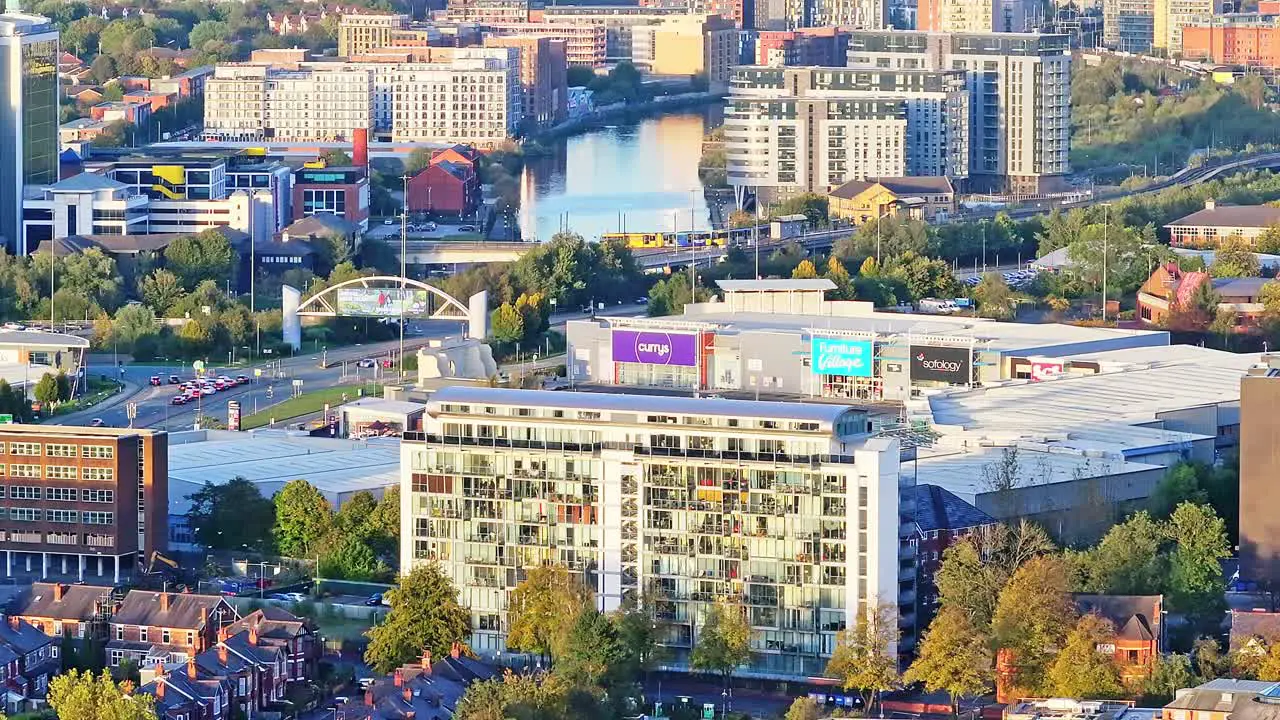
<point>6,418</point>
<point>708,711</point>
<point>257,372</point>
<point>198,366</point>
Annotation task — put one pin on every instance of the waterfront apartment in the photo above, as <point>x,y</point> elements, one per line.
<point>319,103</point>
<point>979,16</point>
<point>585,45</point>
<point>487,11</point>
<point>475,98</point>
<point>688,45</point>
<point>78,497</point>
<point>544,82</point>
<point>1019,99</point>
<point>791,508</point>
<point>617,21</point>
<point>1171,16</point>
<point>807,130</point>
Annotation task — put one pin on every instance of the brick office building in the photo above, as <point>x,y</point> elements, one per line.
<point>76,497</point>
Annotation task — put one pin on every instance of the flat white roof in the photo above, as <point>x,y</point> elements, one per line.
<point>776,285</point>
<point>271,458</point>
<point>40,338</point>
<point>387,407</point>
<point>965,472</point>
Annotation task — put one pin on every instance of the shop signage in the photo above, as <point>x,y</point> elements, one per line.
<point>847,358</point>
<point>941,364</point>
<point>655,348</point>
<point>1045,370</point>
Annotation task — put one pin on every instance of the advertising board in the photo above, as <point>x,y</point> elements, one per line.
<point>382,302</point>
<point>1045,370</point>
<point>655,347</point>
<point>941,364</point>
<point>847,358</point>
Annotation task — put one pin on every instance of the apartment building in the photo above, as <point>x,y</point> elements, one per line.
<point>1129,25</point>
<point>807,130</point>
<point>979,16</point>
<point>322,102</point>
<point>474,99</point>
<point>791,507</point>
<point>544,82</point>
<point>1173,15</point>
<point>1019,99</point>
<point>77,496</point>
<point>584,45</point>
<point>487,11</point>
<point>1251,39</point>
<point>864,14</point>
<point>827,46</point>
<point>688,45</point>
<point>616,20</point>
<point>358,34</point>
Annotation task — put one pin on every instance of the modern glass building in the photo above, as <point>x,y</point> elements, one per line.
<point>792,510</point>
<point>28,115</point>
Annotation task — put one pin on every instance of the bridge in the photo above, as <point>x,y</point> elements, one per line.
<point>459,252</point>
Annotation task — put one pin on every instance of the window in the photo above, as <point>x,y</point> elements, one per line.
<point>62,516</point>
<point>22,514</point>
<point>61,450</point>
<point>61,494</point>
<point>24,471</point>
<point>164,636</point>
<point>98,452</point>
<point>98,496</point>
<point>24,492</point>
<point>61,472</point>
<point>91,473</point>
<point>119,632</point>
<point>117,656</point>
<point>25,448</point>
<point>97,517</point>
<point>142,634</point>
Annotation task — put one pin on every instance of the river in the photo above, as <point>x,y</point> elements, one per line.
<point>641,175</point>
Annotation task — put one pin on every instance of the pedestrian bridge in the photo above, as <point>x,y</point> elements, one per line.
<point>459,252</point>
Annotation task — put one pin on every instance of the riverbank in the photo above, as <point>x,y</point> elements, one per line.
<point>624,112</point>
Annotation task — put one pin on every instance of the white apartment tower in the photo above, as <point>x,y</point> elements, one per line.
<point>317,103</point>
<point>1019,98</point>
<point>808,129</point>
<point>790,508</point>
<point>475,98</point>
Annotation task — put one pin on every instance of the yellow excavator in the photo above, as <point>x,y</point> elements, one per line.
<point>161,570</point>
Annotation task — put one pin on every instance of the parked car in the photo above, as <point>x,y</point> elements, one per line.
<point>14,326</point>
<point>155,380</point>
<point>374,599</point>
<point>388,221</point>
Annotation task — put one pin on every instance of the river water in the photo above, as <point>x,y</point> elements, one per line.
<point>640,175</point>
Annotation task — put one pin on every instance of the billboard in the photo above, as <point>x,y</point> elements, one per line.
<point>1045,369</point>
<point>847,358</point>
<point>942,364</point>
<point>655,348</point>
<point>382,302</point>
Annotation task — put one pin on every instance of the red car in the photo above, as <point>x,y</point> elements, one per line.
<point>155,380</point>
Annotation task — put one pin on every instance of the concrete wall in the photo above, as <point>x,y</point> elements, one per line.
<point>1077,511</point>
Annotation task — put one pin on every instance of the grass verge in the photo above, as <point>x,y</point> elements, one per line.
<point>307,403</point>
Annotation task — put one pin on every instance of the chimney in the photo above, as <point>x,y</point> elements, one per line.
<point>368,697</point>
<point>397,678</point>
<point>408,695</point>
<point>223,634</point>
<point>164,602</point>
<point>1210,204</point>
<point>204,616</point>
<point>13,622</point>
<point>426,661</point>
<point>253,634</point>
<point>222,654</point>
<point>57,592</point>
<point>160,688</point>
<point>455,650</point>
<point>191,668</point>
<point>160,669</point>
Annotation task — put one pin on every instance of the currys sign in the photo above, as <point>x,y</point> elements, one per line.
<point>941,364</point>
<point>847,358</point>
<point>655,348</point>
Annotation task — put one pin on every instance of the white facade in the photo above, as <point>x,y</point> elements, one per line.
<point>475,98</point>
<point>319,103</point>
<point>790,507</point>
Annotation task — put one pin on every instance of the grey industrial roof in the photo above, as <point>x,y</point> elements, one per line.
<point>783,285</point>
<point>1232,216</point>
<point>322,224</point>
<point>39,338</point>
<point>638,403</point>
<point>86,182</point>
<point>1239,287</point>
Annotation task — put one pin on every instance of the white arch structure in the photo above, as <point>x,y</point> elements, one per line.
<point>320,304</point>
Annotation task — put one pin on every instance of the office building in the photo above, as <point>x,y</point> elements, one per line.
<point>688,45</point>
<point>979,16</point>
<point>1128,25</point>
<point>321,103</point>
<point>862,14</point>
<point>543,76</point>
<point>340,191</point>
<point>29,116</point>
<point>358,34</point>
<point>792,507</point>
<point>1249,39</point>
<point>487,11</point>
<point>78,496</point>
<point>1019,99</point>
<point>584,45</point>
<point>1173,15</point>
<point>806,130</point>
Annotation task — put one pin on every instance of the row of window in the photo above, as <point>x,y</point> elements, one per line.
<point>59,494</point>
<point>66,450</point>
<point>87,517</point>
<point>56,472</point>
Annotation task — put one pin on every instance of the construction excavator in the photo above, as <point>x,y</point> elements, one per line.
<point>161,571</point>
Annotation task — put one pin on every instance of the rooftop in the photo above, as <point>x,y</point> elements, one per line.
<point>940,509</point>
<point>184,610</point>
<point>895,185</point>
<point>39,338</point>
<point>86,182</point>
<point>636,403</point>
<point>1251,216</point>
<point>814,285</point>
<point>77,601</point>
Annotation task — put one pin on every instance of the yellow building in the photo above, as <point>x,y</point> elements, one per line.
<point>923,198</point>
<point>688,45</point>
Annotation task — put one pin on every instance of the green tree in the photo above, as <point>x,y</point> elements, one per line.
<point>863,657</point>
<point>336,158</point>
<point>1180,484</point>
<point>507,324</point>
<point>303,517</point>
<point>969,585</point>
<point>1196,585</point>
<point>231,516</point>
<point>994,298</point>
<point>417,161</point>
<point>669,296</point>
<point>1129,560</point>
<point>1081,670</point>
<point>160,290</point>
<point>1234,257</point>
<point>46,391</point>
<point>103,69</point>
<point>804,708</point>
<point>805,270</point>
<point>1032,618</point>
<point>723,643</point>
<point>1268,669</point>
<point>542,609</point>
<point>80,694</point>
<point>81,36</point>
<point>954,656</point>
<point>132,322</point>
<point>354,516</point>
<point>351,558</point>
<point>1169,674</point>
<point>92,274</point>
<point>384,523</point>
<point>425,616</point>
<point>593,651</point>
<point>839,274</point>
<point>207,255</point>
<point>206,31</point>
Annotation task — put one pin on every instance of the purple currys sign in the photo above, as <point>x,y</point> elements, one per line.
<point>655,348</point>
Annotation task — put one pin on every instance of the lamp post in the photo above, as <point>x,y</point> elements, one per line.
<point>1106,250</point>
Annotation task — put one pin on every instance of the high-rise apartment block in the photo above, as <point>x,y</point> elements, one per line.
<point>584,45</point>
<point>77,495</point>
<point>705,45</point>
<point>543,76</point>
<point>487,11</point>
<point>791,509</point>
<point>979,16</point>
<point>1128,25</point>
<point>358,34</point>
<point>321,102</point>
<point>1019,98</point>
<point>1251,39</point>
<point>806,130</point>
<point>28,117</point>
<point>474,99</point>
<point>1173,15</point>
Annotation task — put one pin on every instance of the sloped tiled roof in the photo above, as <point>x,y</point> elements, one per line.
<point>940,509</point>
<point>897,185</point>
<point>79,602</point>
<point>1250,216</point>
<point>1136,617</point>
<point>143,607</point>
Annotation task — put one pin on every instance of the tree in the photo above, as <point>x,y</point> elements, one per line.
<point>351,558</point>
<point>207,255</point>
<point>419,159</point>
<point>1169,674</point>
<point>103,69</point>
<point>863,657</point>
<point>1032,618</point>
<point>804,708</point>
<point>968,585</point>
<point>1181,484</point>
<point>231,516</point>
<point>1129,560</point>
<point>384,523</point>
<point>669,296</point>
<point>206,31</point>
<point>507,324</point>
<point>160,290</point>
<point>80,694</point>
<point>353,518</point>
<point>46,391</point>
<point>303,517</point>
<point>839,274</point>
<point>542,609</point>
<point>805,270</point>
<point>592,651</point>
<point>132,322</point>
<point>954,656</point>
<point>994,298</point>
<point>425,616</point>
<point>93,274</point>
<point>723,643</point>
<point>1234,257</point>
<point>82,37</point>
<point>1196,585</point>
<point>1081,670</point>
<point>1210,661</point>
<point>1268,668</point>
